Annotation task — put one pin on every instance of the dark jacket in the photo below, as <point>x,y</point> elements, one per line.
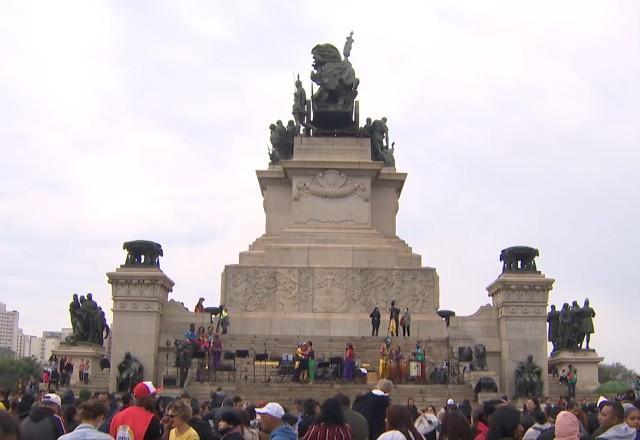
<point>203,428</point>
<point>374,408</point>
<point>42,424</point>
<point>359,425</point>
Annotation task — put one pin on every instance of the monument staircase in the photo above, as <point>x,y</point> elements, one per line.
<point>98,381</point>
<point>266,381</point>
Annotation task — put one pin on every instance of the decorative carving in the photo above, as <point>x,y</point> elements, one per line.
<point>250,291</point>
<point>331,184</point>
<point>340,290</point>
<point>330,287</point>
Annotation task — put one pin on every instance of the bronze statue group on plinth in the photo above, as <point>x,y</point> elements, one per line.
<point>332,109</point>
<point>571,327</point>
<point>88,321</point>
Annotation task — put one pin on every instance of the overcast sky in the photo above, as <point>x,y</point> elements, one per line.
<point>517,124</point>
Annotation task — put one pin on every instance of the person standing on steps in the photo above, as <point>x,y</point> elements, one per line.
<point>394,319</point>
<point>375,321</point>
<point>405,321</point>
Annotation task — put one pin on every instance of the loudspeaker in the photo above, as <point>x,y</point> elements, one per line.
<point>169,381</point>
<point>262,357</point>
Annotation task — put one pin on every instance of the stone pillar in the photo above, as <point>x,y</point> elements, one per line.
<point>521,300</point>
<point>139,294</point>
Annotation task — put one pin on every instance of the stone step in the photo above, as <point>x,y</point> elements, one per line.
<point>287,393</point>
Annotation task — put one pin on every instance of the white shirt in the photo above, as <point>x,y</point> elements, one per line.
<point>394,435</point>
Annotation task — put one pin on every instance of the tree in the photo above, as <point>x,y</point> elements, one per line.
<point>13,369</point>
<point>615,371</point>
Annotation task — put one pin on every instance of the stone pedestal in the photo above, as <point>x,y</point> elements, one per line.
<point>585,362</point>
<point>139,295</point>
<point>330,252</point>
<point>79,353</point>
<point>521,299</point>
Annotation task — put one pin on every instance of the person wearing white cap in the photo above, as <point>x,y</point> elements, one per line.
<point>44,421</point>
<point>271,422</point>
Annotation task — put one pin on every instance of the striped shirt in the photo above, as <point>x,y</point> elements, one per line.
<point>328,432</point>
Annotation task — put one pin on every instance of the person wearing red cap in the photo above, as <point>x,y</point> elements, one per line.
<point>138,422</point>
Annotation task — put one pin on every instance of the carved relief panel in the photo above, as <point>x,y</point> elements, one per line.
<point>331,197</point>
<point>328,290</point>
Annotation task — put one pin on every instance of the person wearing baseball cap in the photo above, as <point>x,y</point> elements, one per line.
<point>271,422</point>
<point>44,421</point>
<point>138,422</point>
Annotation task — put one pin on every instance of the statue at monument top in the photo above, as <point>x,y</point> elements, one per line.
<point>333,104</point>
<point>347,46</point>
<point>519,259</point>
<point>380,149</point>
<point>299,110</point>
<point>142,253</point>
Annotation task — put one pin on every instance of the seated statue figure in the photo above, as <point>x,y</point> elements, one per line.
<point>129,372</point>
<point>528,379</point>
<point>480,357</point>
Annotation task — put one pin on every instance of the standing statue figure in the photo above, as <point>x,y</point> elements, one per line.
<point>74,311</point>
<point>129,372</point>
<point>90,309</point>
<point>380,151</point>
<point>102,328</point>
<point>564,325</point>
<point>576,336</point>
<point>553,318</point>
<point>528,379</point>
<point>299,110</point>
<point>586,322</point>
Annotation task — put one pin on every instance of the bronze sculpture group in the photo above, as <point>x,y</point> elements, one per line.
<point>519,259</point>
<point>570,328</point>
<point>88,321</point>
<point>332,109</point>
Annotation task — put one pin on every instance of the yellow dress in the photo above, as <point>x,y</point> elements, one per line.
<point>383,365</point>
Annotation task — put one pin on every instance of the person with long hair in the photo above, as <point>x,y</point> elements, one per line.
<point>330,424</point>
<point>455,426</point>
<point>399,425</point>
<point>531,405</point>
<point>428,423</point>
<point>505,424</point>
<point>349,362</point>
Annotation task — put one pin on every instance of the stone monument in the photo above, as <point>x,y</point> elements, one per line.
<point>330,252</point>
<point>520,295</point>
<point>139,290</point>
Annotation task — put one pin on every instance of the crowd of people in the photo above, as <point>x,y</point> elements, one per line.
<point>143,414</point>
